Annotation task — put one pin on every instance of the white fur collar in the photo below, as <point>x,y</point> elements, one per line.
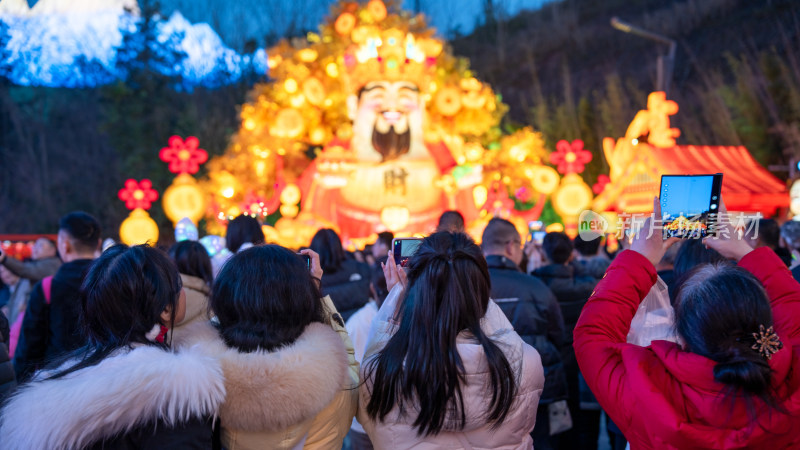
<point>273,390</point>
<point>132,388</point>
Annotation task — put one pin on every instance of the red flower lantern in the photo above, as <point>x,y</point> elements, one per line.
<point>138,194</point>
<point>600,186</point>
<point>183,156</point>
<point>570,157</point>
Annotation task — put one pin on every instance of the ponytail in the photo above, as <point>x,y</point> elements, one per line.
<point>420,368</point>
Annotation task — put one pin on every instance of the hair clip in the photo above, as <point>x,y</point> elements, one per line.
<point>767,342</point>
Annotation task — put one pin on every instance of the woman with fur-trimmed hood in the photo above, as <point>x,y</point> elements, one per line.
<point>125,389</point>
<point>290,375</point>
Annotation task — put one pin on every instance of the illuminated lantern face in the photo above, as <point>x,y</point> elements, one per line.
<point>387,121</point>
<point>395,218</point>
<point>184,199</point>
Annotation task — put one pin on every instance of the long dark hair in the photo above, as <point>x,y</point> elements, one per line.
<point>192,259</point>
<point>241,230</point>
<point>264,297</point>
<point>123,296</point>
<point>329,248</point>
<point>718,308</point>
<point>420,367</point>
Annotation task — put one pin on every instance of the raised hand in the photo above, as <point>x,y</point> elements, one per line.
<point>651,244</point>
<point>727,241</point>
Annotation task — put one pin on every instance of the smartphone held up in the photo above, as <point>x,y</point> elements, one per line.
<point>404,248</point>
<point>689,205</point>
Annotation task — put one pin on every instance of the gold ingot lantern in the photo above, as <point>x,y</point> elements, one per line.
<point>138,228</point>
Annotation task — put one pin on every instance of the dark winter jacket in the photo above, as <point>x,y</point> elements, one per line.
<point>570,290</point>
<point>141,398</point>
<point>7,378</point>
<point>348,287</point>
<point>49,331</point>
<point>535,315</point>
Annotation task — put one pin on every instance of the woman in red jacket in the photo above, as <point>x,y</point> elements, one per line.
<point>735,382</point>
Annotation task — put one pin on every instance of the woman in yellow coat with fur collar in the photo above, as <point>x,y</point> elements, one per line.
<point>290,375</point>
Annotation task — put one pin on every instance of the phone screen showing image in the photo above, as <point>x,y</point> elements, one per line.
<point>538,237</point>
<point>404,248</point>
<point>689,205</point>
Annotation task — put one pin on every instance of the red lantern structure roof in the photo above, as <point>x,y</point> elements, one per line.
<point>746,185</point>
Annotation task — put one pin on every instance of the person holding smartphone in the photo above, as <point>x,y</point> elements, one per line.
<point>732,383</point>
<point>444,368</point>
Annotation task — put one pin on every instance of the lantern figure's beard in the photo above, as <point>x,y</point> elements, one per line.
<point>391,144</point>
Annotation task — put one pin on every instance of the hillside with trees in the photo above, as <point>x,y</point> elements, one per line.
<point>562,69</point>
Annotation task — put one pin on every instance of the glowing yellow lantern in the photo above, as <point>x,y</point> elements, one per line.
<point>448,101</point>
<point>480,194</point>
<point>344,23</point>
<point>138,228</point>
<point>184,198</point>
<point>545,179</point>
<point>314,91</point>
<point>290,85</point>
<point>307,55</point>
<point>395,218</point>
<point>794,194</point>
<point>332,70</point>
<point>290,194</point>
<point>572,197</point>
<point>288,124</point>
<point>289,210</point>
<point>554,228</point>
<point>377,10</point>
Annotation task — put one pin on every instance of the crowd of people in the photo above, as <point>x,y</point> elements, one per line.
<point>507,344</point>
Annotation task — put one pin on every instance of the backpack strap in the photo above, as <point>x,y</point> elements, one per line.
<point>47,284</point>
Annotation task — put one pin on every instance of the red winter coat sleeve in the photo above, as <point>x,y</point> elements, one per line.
<point>782,290</point>
<point>601,332</point>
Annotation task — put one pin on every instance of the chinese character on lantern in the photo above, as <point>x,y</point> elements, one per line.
<point>138,194</point>
<point>570,157</point>
<point>183,156</point>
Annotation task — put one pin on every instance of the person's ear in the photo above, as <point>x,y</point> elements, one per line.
<point>166,315</point>
<point>68,248</point>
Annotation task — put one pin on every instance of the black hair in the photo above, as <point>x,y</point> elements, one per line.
<point>385,238</point>
<point>264,297</point>
<point>83,230</point>
<point>420,368</point>
<point>586,248</point>
<point>769,233</point>
<point>498,233</point>
<point>718,308</point>
<point>378,283</point>
<point>123,295</point>
<point>452,221</point>
<point>329,248</point>
<point>241,230</point>
<point>192,259</point>
<point>557,246</point>
<point>691,254</point>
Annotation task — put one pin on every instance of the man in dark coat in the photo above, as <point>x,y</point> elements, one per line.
<point>572,291</point>
<point>533,311</point>
<point>51,328</point>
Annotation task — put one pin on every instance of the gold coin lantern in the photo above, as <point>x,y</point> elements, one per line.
<point>139,227</point>
<point>184,198</point>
